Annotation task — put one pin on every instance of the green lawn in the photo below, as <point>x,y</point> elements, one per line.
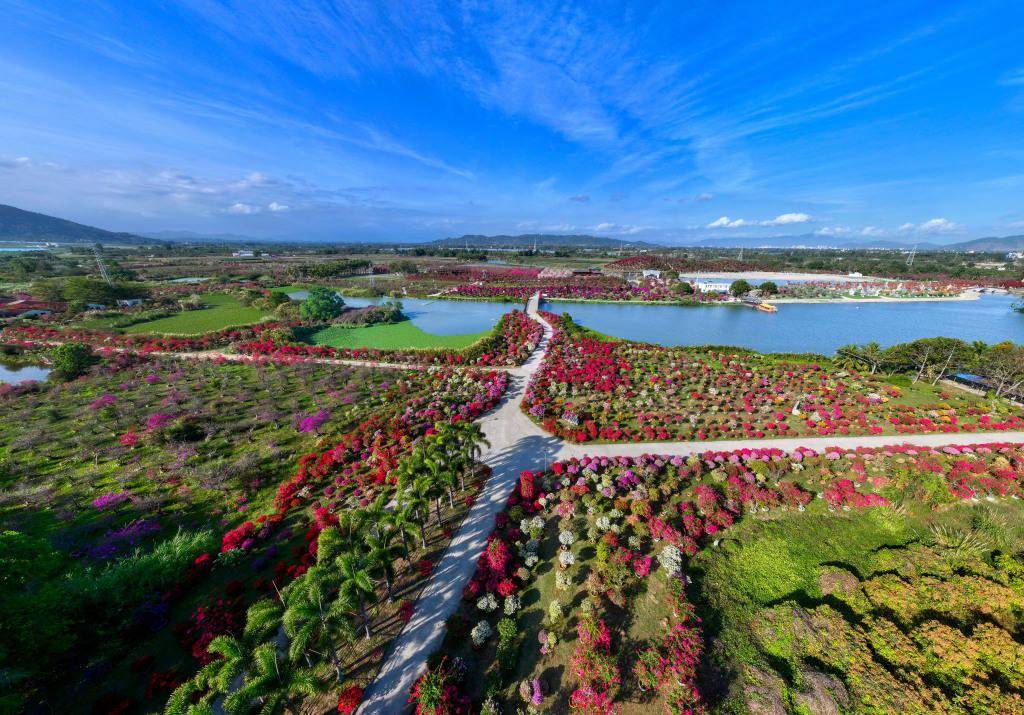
<point>396,336</point>
<point>222,311</point>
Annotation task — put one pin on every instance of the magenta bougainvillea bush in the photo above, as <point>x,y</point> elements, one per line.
<point>591,389</point>
<point>587,571</point>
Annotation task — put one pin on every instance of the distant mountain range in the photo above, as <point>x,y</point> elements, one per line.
<point>540,240</point>
<point>20,225</point>
<point>993,243</point>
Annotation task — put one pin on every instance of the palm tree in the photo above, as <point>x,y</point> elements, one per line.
<point>376,511</point>
<point>181,700</point>
<point>313,619</point>
<point>437,483</point>
<point>263,620</point>
<point>272,684</point>
<point>402,523</point>
<point>355,581</point>
<point>873,355</point>
<point>215,678</point>
<point>418,498</point>
<point>441,470</point>
<point>381,556</point>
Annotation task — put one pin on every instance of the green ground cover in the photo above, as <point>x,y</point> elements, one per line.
<point>890,610</point>
<point>222,311</point>
<point>396,336</point>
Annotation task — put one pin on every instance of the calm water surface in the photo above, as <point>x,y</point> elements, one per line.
<point>15,374</point>
<point>798,327</point>
<point>440,317</point>
<point>804,327</point>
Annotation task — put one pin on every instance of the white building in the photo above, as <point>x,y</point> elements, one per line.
<point>711,286</point>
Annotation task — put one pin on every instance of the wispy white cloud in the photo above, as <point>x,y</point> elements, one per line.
<point>787,219</point>
<point>620,229</point>
<point>933,225</point>
<point>833,231</point>
<point>240,209</point>
<point>726,222</point>
<point>277,207</point>
<point>1013,77</point>
<point>873,231</point>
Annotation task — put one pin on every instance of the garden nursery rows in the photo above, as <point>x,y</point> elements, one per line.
<point>250,532</point>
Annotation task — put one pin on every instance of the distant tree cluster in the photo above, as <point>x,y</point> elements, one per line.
<point>331,269</point>
<point>933,359</point>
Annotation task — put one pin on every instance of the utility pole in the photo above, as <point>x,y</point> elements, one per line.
<point>910,258</point>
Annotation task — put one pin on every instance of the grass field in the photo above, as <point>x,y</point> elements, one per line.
<point>222,311</point>
<point>396,336</point>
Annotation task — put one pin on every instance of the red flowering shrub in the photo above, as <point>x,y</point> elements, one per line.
<point>350,699</point>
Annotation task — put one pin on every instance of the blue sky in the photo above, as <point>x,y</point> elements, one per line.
<point>669,121</point>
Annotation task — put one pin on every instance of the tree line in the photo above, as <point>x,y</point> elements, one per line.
<point>932,359</point>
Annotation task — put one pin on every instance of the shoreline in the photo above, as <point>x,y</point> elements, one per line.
<point>967,295</point>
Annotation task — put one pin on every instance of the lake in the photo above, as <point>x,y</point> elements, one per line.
<point>797,327</point>
<point>20,373</point>
<point>805,327</point>
<point>440,317</point>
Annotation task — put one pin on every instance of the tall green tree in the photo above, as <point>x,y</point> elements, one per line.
<point>381,552</point>
<point>273,684</point>
<point>322,305</point>
<point>71,360</point>
<point>740,287</point>
<point>318,617</point>
<point>215,680</point>
<point>355,581</point>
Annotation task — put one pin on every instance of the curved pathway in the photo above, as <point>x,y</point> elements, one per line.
<point>517,443</point>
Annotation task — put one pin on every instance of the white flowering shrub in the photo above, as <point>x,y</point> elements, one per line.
<point>512,605</point>
<point>487,603</point>
<point>566,538</point>
<point>480,633</point>
<point>563,580</point>
<point>671,559</point>
<point>566,559</point>
<point>555,611</point>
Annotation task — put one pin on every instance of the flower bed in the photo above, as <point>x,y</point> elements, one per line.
<point>579,602</point>
<point>41,335</point>
<point>511,342</point>
<point>110,466</point>
<point>590,389</point>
